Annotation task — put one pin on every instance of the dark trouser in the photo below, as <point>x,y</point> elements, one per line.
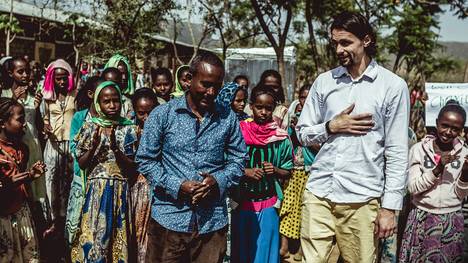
<point>166,246</point>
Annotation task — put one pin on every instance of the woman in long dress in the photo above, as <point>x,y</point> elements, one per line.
<point>105,150</point>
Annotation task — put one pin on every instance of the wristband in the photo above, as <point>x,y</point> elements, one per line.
<point>327,128</point>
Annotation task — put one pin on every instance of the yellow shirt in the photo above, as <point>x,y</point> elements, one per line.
<point>59,116</point>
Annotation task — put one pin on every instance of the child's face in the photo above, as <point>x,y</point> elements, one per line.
<point>61,79</point>
<point>124,71</point>
<point>36,70</point>
<point>90,94</point>
<point>303,97</point>
<point>162,86</point>
<point>238,104</point>
<point>21,72</point>
<point>184,80</point>
<point>449,127</point>
<point>263,108</point>
<point>298,108</point>
<point>14,127</point>
<point>114,77</point>
<point>242,82</point>
<point>274,83</point>
<point>143,108</point>
<point>109,102</point>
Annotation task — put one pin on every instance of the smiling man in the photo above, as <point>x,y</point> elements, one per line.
<point>359,112</point>
<point>191,155</point>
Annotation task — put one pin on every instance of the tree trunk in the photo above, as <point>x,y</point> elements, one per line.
<point>465,77</point>
<point>397,63</point>
<point>279,45</point>
<point>8,32</point>
<point>7,43</point>
<point>75,45</point>
<point>282,71</point>
<point>77,56</point>
<point>174,44</point>
<point>224,54</point>
<point>312,42</point>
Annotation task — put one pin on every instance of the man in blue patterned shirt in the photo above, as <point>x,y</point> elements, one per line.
<point>191,154</point>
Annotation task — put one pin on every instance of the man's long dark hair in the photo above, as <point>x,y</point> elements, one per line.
<point>359,26</point>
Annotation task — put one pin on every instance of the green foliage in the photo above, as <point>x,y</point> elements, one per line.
<point>319,16</point>
<point>414,42</point>
<point>124,27</point>
<point>447,70</point>
<point>405,29</point>
<point>14,26</point>
<point>275,18</point>
<point>233,21</point>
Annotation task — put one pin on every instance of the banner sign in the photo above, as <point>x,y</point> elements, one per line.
<point>438,95</point>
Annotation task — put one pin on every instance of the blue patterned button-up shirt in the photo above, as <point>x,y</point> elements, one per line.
<point>176,147</point>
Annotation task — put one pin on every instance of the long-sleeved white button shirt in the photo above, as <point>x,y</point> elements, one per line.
<point>350,168</point>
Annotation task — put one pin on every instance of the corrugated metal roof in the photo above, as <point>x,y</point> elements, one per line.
<point>259,53</point>
<point>57,15</point>
<point>26,9</point>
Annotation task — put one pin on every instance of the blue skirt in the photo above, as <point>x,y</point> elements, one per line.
<point>255,236</point>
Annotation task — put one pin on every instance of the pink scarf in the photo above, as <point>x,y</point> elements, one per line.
<point>49,84</point>
<point>262,134</point>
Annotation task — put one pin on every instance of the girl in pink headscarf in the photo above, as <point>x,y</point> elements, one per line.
<point>59,97</point>
<point>65,70</point>
<point>255,223</point>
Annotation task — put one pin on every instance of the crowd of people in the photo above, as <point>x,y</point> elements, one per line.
<point>197,168</point>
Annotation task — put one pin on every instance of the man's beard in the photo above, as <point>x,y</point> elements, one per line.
<point>346,60</point>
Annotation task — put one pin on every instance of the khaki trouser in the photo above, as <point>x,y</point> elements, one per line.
<point>351,224</point>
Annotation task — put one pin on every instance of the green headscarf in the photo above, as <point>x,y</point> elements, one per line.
<point>114,62</point>
<point>179,91</point>
<point>103,120</point>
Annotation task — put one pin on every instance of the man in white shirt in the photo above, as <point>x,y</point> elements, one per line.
<point>359,112</point>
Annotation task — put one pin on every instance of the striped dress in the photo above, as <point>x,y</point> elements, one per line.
<point>255,226</point>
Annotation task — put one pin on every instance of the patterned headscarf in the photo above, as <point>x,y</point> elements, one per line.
<point>103,120</point>
<point>49,82</point>
<point>179,91</point>
<point>113,63</point>
<point>225,98</point>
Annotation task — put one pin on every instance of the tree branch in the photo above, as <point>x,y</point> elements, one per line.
<point>189,25</point>
<point>239,38</point>
<point>206,31</point>
<point>218,26</point>
<point>12,38</point>
<point>359,6</point>
<point>310,27</point>
<point>137,13</point>
<point>263,24</point>
<point>174,40</point>
<point>284,34</point>
<point>462,9</point>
